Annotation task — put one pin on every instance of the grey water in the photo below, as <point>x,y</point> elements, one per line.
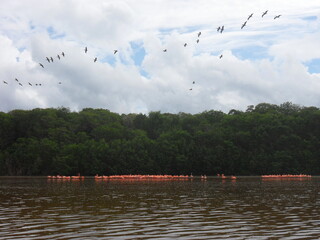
<point>245,208</point>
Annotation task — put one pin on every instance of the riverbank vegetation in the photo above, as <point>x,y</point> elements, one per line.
<point>264,139</point>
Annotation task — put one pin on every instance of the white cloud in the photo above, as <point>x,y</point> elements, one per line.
<point>30,34</point>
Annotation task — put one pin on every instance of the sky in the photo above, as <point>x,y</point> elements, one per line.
<point>267,61</point>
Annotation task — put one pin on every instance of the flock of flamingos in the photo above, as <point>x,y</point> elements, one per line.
<point>173,177</point>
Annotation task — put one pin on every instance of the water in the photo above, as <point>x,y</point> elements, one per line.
<point>247,208</point>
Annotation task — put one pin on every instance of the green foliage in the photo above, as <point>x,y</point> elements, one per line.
<point>264,139</point>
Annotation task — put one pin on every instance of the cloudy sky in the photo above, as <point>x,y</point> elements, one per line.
<point>268,60</point>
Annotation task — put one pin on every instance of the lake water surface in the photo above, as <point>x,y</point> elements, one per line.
<point>246,208</point>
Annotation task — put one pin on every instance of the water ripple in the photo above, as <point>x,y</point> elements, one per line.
<point>247,209</point>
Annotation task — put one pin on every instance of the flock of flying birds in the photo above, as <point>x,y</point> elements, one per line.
<point>220,29</point>
<point>50,60</point>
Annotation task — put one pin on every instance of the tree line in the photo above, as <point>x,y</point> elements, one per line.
<point>264,139</point>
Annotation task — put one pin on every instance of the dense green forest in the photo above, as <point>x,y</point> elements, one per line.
<point>265,139</point>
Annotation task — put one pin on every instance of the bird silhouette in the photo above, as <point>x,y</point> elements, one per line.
<point>221,56</point>
<point>185,45</point>
<point>85,50</point>
<point>243,24</point>
<point>59,82</point>
<point>5,82</point>
<point>58,56</point>
<point>30,84</point>
<point>48,59</point>
<point>250,16</point>
<point>17,80</point>
<point>263,14</point>
<point>51,59</point>
<point>95,59</point>
<point>164,50</point>
<point>218,29</point>
<point>222,28</point>
<point>62,54</point>
<point>193,82</point>
<point>115,51</point>
<point>278,16</point>
<point>20,84</point>
<point>198,41</point>
<point>199,33</point>
<point>41,65</point>
<point>190,89</point>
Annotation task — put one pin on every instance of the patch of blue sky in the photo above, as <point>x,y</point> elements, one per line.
<point>124,61</point>
<point>21,49</point>
<point>313,65</point>
<point>310,18</point>
<point>251,53</point>
<point>144,73</point>
<point>138,52</point>
<point>53,34</point>
<point>110,59</point>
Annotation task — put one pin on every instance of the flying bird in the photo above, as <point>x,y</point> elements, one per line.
<point>221,56</point>
<point>198,41</point>
<point>51,59</point>
<point>164,50</point>
<point>190,89</point>
<point>41,65</point>
<point>278,16</point>
<point>115,51</point>
<point>30,84</point>
<point>48,59</point>
<point>58,56</point>
<point>222,28</point>
<point>243,24</point>
<point>59,82</point>
<point>5,82</point>
<point>193,82</point>
<point>20,84</point>
<point>264,13</point>
<point>95,59</point>
<point>17,80</point>
<point>199,33</point>
<point>185,45</point>
<point>218,29</point>
<point>85,50</point>
<point>62,54</point>
<point>250,16</point>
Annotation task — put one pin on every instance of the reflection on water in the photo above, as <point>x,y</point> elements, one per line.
<point>248,208</point>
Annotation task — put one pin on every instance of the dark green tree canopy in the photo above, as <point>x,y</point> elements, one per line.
<point>264,139</point>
